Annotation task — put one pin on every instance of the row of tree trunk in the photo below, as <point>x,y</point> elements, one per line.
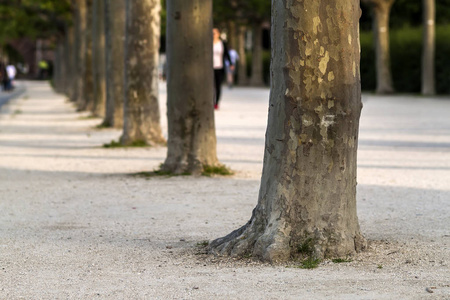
<point>307,199</point>
<point>381,10</point>
<point>108,64</point>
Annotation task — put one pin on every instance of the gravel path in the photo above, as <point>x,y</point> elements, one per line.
<point>75,225</point>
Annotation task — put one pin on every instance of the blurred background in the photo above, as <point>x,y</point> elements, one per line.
<point>30,31</point>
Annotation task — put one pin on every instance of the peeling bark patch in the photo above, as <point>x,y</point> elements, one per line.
<point>324,63</point>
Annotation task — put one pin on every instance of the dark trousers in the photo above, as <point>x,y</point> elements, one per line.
<point>218,79</point>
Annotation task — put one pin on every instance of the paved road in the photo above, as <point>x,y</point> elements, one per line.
<point>6,96</point>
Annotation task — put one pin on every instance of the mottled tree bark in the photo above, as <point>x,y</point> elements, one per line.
<point>429,18</point>
<point>98,58</point>
<point>381,9</point>
<point>257,58</point>
<point>242,64</point>
<point>115,44</point>
<point>192,137</point>
<point>308,185</point>
<point>141,107</point>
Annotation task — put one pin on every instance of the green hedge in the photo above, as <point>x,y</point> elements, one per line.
<point>406,55</point>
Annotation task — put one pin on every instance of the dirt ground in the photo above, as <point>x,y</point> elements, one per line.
<point>74,224</point>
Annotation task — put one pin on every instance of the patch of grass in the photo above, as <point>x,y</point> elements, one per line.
<point>310,263</point>
<point>103,125</point>
<point>88,117</point>
<point>203,244</point>
<point>26,97</point>
<point>115,144</point>
<point>341,260</point>
<point>216,170</point>
<point>380,266</point>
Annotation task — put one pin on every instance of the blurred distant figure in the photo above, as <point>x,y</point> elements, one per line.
<point>11,72</point>
<point>4,77</point>
<point>220,54</point>
<point>234,57</point>
<point>43,69</point>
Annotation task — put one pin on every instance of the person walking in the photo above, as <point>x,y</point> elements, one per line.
<point>220,55</point>
<point>234,56</point>
<point>11,71</point>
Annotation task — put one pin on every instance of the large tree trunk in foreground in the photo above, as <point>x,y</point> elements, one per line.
<point>192,137</point>
<point>115,42</point>
<point>308,185</point>
<point>257,56</point>
<point>141,109</point>
<point>429,18</point>
<point>381,9</point>
<point>98,58</point>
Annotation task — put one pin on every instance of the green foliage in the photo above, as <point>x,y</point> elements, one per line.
<point>406,55</point>
<point>307,247</point>
<point>33,18</point>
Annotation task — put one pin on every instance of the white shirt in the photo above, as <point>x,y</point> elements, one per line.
<point>218,50</point>
<point>11,70</point>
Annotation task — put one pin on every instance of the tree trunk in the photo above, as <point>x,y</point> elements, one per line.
<point>308,186</point>
<point>242,63</point>
<point>192,136</point>
<point>141,107</point>
<point>429,16</point>
<point>382,10</point>
<point>98,58</point>
<point>257,56</point>
<point>89,73</point>
<point>115,44</point>
<point>81,26</point>
<point>57,67</point>
<point>69,62</point>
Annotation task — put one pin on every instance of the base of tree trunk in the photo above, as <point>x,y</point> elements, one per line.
<point>274,245</point>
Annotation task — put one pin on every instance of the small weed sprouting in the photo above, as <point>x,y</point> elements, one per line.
<point>310,263</point>
<point>380,266</point>
<point>216,170</point>
<point>306,248</point>
<point>203,244</point>
<point>341,260</point>
<point>17,112</point>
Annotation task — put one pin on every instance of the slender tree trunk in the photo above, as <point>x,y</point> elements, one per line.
<point>232,34</point>
<point>382,10</point>
<point>62,66</point>
<point>242,64</point>
<point>307,197</point>
<point>429,17</point>
<point>192,137</point>
<point>70,63</point>
<point>89,74</point>
<point>81,24</point>
<point>57,68</point>
<point>115,44</point>
<point>98,58</point>
<point>257,56</point>
<point>141,108</point>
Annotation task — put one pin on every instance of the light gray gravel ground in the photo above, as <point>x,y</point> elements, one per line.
<point>75,225</point>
